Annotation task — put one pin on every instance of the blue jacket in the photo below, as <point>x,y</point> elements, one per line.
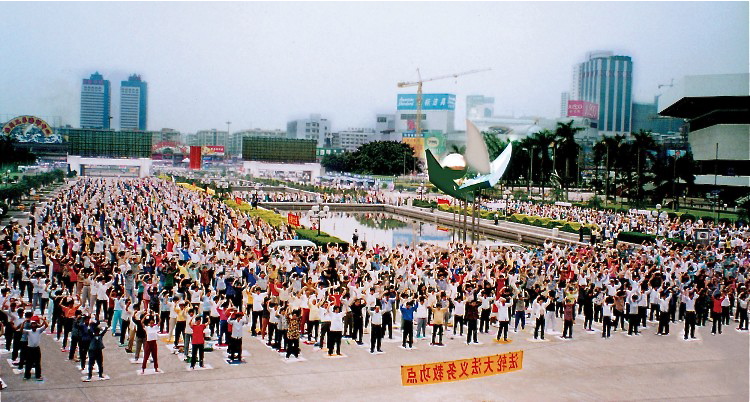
<point>408,313</point>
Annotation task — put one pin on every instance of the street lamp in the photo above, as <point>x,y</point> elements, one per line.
<point>420,190</point>
<point>316,212</point>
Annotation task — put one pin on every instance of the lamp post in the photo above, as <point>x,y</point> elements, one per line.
<point>420,190</point>
<point>316,212</point>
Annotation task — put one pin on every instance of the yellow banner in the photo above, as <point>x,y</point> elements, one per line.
<point>464,369</point>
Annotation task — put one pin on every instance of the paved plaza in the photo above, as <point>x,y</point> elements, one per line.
<point>585,368</point>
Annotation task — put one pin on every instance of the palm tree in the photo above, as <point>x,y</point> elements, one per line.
<point>643,142</point>
<point>566,143</point>
<point>542,141</point>
<point>610,147</point>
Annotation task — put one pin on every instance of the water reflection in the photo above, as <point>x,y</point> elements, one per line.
<point>386,229</point>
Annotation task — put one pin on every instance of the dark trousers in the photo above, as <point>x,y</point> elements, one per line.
<point>484,320</point>
<point>663,324</point>
<point>256,319</point>
<point>437,329</point>
<point>271,333</point>
<point>388,323</point>
<point>567,328</point>
<point>472,330</point>
<point>539,327</point>
<point>717,321</point>
<point>633,324</point>
<point>654,310</point>
<point>292,347</point>
<point>95,356</point>
<point>33,361</point>
<point>642,314</point>
<point>310,326</point>
<point>376,334</point>
<point>179,329</point>
<point>520,317</point>
<point>357,328</point>
<point>198,351</point>
<point>123,330</point>
<point>742,313</point>
<point>458,320</point>
<point>690,324</point>
<point>16,344</point>
<point>334,340</point>
<point>503,330</point>
<point>407,332</point>
<point>325,328</point>
<point>83,348</point>
<point>74,342</point>
<point>606,326</point>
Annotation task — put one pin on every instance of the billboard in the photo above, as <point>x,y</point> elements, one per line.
<point>434,140</point>
<point>583,109</point>
<point>429,102</point>
<point>212,150</point>
<point>105,143</point>
<point>278,150</point>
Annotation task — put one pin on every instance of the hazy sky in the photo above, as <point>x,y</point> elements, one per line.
<point>261,64</point>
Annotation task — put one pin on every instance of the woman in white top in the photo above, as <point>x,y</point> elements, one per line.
<point>337,327</point>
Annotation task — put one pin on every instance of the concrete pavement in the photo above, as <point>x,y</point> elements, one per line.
<point>585,368</point>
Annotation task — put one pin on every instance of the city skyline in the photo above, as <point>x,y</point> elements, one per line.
<point>251,68</point>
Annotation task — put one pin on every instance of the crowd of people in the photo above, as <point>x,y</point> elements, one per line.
<point>143,258</point>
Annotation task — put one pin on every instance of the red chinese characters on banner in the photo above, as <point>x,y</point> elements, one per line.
<point>292,219</point>
<point>464,369</point>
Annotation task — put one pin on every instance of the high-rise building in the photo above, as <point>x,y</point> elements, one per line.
<point>314,128</point>
<point>479,106</point>
<point>133,104</point>
<point>606,80</point>
<point>96,98</point>
<point>564,98</point>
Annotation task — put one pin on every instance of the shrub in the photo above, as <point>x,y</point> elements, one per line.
<point>706,218</point>
<point>323,240</point>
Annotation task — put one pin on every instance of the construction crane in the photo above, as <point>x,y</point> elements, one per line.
<point>419,83</point>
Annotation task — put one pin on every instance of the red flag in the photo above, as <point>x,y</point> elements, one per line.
<point>443,201</point>
<point>292,219</point>
<point>238,200</point>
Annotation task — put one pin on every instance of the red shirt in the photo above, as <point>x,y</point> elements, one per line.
<point>198,334</point>
<point>717,304</point>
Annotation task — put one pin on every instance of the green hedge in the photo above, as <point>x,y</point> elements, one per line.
<point>549,223</point>
<point>272,218</point>
<point>323,240</point>
<point>424,204</point>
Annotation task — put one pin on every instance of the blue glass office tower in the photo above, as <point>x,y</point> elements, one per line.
<point>96,99</point>
<point>606,80</point>
<point>133,103</point>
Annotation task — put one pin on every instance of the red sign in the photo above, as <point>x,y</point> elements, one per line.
<point>583,109</point>
<point>443,201</point>
<point>292,219</point>
<point>195,157</point>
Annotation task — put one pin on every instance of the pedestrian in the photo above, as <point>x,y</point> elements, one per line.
<point>96,348</point>
<point>568,312</point>
<point>198,327</point>
<point>407,331</point>
<point>150,325</point>
<point>438,322</point>
<point>337,327</point>
<point>33,352</point>
<point>503,318</point>
<point>538,312</point>
<point>376,329</point>
<point>293,334</point>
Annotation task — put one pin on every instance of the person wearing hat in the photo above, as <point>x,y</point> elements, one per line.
<point>33,352</point>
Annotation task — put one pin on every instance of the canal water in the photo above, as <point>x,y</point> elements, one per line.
<point>386,229</point>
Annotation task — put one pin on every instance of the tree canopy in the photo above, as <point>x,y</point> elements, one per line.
<point>389,158</point>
